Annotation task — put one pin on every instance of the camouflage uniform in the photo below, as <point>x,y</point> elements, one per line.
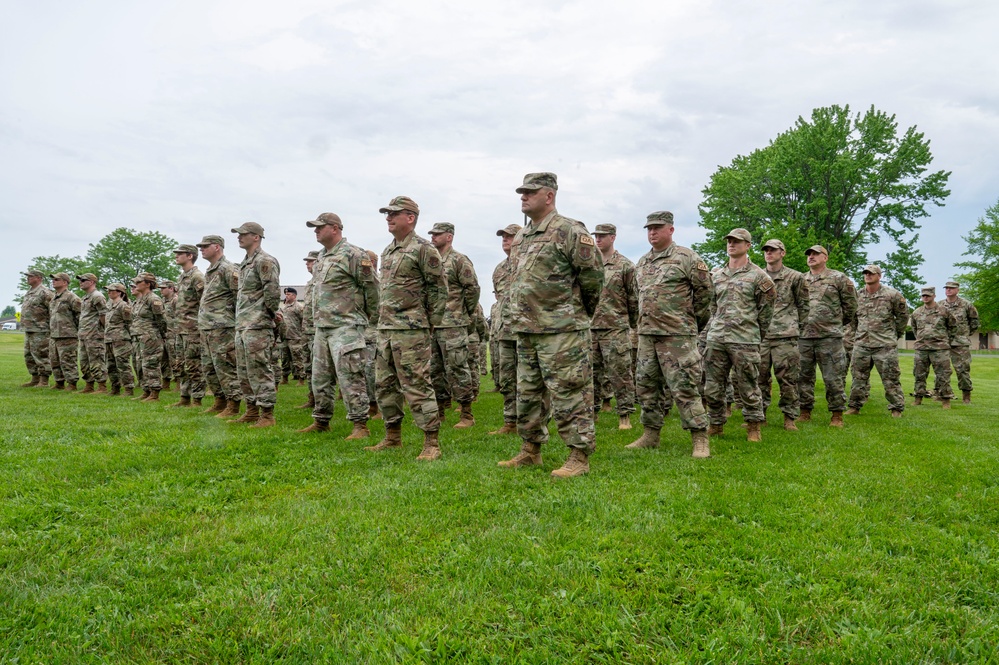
<point>294,332</point>
<point>170,368</point>
<point>257,303</point>
<point>190,287</point>
<point>35,317</point>
<point>344,303</point>
<point>217,323</point>
<point>849,340</point>
<point>149,327</point>
<point>93,355</point>
<point>935,328</point>
<point>832,302</point>
<point>960,351</point>
<point>505,369</point>
<point>615,317</point>
<point>450,366</point>
<point>881,320</point>
<point>779,348</point>
<point>309,332</point>
<point>118,343</point>
<point>64,322</point>
<point>482,332</point>
<point>553,294</point>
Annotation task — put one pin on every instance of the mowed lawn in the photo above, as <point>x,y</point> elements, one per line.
<point>131,532</point>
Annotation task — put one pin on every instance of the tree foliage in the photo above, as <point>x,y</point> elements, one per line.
<point>838,180</point>
<point>8,312</point>
<point>981,283</point>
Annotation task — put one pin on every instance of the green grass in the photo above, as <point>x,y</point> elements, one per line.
<point>134,533</point>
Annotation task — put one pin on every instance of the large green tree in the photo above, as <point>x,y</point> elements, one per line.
<point>981,283</point>
<point>839,180</point>
<point>8,312</point>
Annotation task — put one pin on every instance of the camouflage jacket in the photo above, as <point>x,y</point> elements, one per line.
<point>462,290</point>
<point>557,277</point>
<point>832,302</point>
<point>170,315</point>
<point>64,315</point>
<point>35,312</point>
<point>345,288</point>
<point>618,306</point>
<point>881,317</point>
<point>218,300</point>
<point>742,304</point>
<point>674,292</point>
<point>934,328</point>
<point>259,297</point>
<point>850,334</point>
<point>292,322</point>
<point>967,319</point>
<point>502,276</point>
<point>308,320</point>
<point>190,288</point>
<point>791,308</point>
<point>92,309</point>
<point>478,324</point>
<point>413,291</point>
<point>148,318</point>
<point>117,319</point>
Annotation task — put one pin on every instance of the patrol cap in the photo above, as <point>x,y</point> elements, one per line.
<point>952,285</point>
<point>117,286</point>
<point>740,234</point>
<point>34,273</point>
<point>442,227</point>
<point>659,218</point>
<point>186,249</point>
<point>87,275</point>
<point>325,219</point>
<point>510,230</point>
<point>212,240</point>
<point>167,284</point>
<point>61,275</point>
<point>816,249</point>
<point>928,291</point>
<point>312,256</point>
<point>145,277</point>
<point>605,230</point>
<point>401,203</point>
<point>250,227</point>
<point>873,269</point>
<point>535,181</point>
<point>773,243</point>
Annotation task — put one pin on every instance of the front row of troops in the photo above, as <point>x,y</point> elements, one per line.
<point>573,322</point>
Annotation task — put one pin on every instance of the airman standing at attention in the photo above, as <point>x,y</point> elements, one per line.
<point>149,327</point>
<point>118,340</point>
<point>935,329</point>
<point>967,325</point>
<point>217,324</point>
<point>169,368</point>
<point>190,287</point>
<point>35,317</point>
<point>371,341</point>
<point>64,327</point>
<point>293,313</point>
<point>93,355</point>
<point>309,326</point>
<point>505,360</point>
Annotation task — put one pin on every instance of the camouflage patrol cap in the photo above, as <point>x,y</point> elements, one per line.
<point>510,230</point>
<point>401,203</point>
<point>928,291</point>
<point>660,218</point>
<point>145,277</point>
<point>87,275</point>
<point>34,273</point>
<point>816,249</point>
<point>952,285</point>
<point>605,230</point>
<point>61,275</point>
<point>535,181</point>
<point>185,249</point>
<point>117,286</point>
<point>325,219</point>
<point>740,234</point>
<point>312,256</point>
<point>773,243</point>
<point>250,227</point>
<point>873,269</point>
<point>168,284</point>
<point>442,227</point>
<point>212,240</point>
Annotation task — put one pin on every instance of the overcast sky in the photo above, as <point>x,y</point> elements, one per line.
<point>189,118</point>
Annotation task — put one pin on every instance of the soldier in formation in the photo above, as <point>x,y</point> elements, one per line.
<point>118,341</point>
<point>64,332</point>
<point>148,328</point>
<point>217,325</point>
<point>93,357</point>
<point>293,322</point>
<point>35,318</point>
<point>934,327</point>
<point>966,316</point>
<point>505,350</point>
<point>187,304</point>
<point>309,326</point>
<point>169,366</point>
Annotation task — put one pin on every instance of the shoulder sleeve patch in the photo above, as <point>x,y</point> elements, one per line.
<point>701,265</point>
<point>366,263</point>
<point>585,240</point>
<point>766,285</point>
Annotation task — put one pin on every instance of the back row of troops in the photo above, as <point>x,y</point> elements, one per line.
<point>567,308</point>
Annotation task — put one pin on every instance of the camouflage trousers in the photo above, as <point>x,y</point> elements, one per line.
<point>402,375</point>
<point>169,368</point>
<point>281,359</point>
<point>119,355</point>
<point>93,360</point>
<point>449,366</point>
<point>505,377</point>
<point>848,350</point>
<point>741,362</point>
<point>783,356</point>
<point>62,355</point>
<point>556,365</point>
<point>674,362</point>
<point>371,341</point>
<point>940,360</point>
<point>341,353</point>
<point>960,358</point>
<point>612,363</point>
<point>299,353</point>
<point>828,354</point>
<point>885,359</point>
<point>36,354</point>
<point>473,362</point>
<point>483,358</point>
<point>149,353</point>
<point>191,376</point>
<point>218,358</point>
<point>136,360</point>
<point>254,366</point>
<point>310,341</point>
<point>494,360</point>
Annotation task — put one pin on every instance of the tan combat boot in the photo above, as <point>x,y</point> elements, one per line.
<point>944,403</point>
<point>806,416</point>
<point>896,414</point>
<point>360,431</point>
<point>578,464</point>
<point>102,388</point>
<point>624,422</point>
<point>31,384</point>
<point>702,447</point>
<point>753,433</point>
<point>508,428</point>
<point>196,401</point>
<point>837,419</point>
<point>115,390</point>
<point>166,386</point>
<point>88,387</point>
<point>310,404</point>
<point>716,430</point>
<point>231,409</point>
<point>154,396</point>
<point>316,426</point>
<point>966,396</point>
<point>143,396</point>
<point>649,439</point>
<point>301,382</point>
<point>431,448</point>
<point>284,381</point>
<point>529,455</point>
<point>43,381</point>
<point>467,420</point>
<point>606,406</point>
<point>251,416</point>
<point>185,401</point>
<point>266,418</point>
<point>218,406</point>
<point>393,439</point>
<point>71,386</point>
<point>58,385</point>
<point>789,424</point>
<point>373,412</point>
<point>853,411</point>
<point>918,400</point>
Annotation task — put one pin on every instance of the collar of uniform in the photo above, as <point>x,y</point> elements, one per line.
<point>541,226</point>
<point>660,254</point>
<point>727,269</point>
<point>252,255</point>
<point>405,241</point>
<point>611,259</point>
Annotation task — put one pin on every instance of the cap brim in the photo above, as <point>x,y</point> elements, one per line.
<point>527,188</point>
<point>390,209</point>
<point>313,224</point>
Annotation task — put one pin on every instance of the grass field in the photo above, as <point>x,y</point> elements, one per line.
<point>135,533</point>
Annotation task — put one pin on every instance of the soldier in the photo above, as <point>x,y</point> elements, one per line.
<point>450,366</point>
<point>169,368</point>
<point>258,312</point>
<point>482,329</point>
<point>832,303</point>
<point>345,301</point>
<point>967,324</point>
<point>136,358</point>
<point>556,284</point>
<point>371,341</point>
<point>309,326</point>
<point>64,324</point>
<point>674,303</point>
<point>779,348</point>
<point>217,324</point>
<point>118,341</point>
<point>412,298</point>
<point>293,315</point>
<point>935,329</point>
<point>849,340</point>
<point>882,314</point>
<point>505,355</point>
<point>35,317</point>
<point>190,287</point>
<point>93,357</point>
<point>149,328</point>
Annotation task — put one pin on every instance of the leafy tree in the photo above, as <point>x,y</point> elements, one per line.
<point>8,312</point>
<point>122,254</point>
<point>49,265</point>
<point>981,284</point>
<point>838,180</point>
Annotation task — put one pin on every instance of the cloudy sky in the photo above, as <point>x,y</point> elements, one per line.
<point>191,117</point>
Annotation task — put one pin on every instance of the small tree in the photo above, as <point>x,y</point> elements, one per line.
<point>8,312</point>
<point>981,284</point>
<point>49,265</point>
<point>122,254</point>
